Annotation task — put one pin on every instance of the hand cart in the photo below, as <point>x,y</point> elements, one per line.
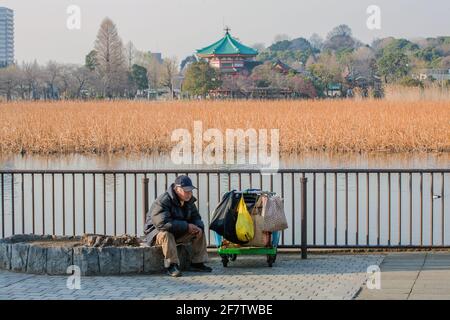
<point>230,253</point>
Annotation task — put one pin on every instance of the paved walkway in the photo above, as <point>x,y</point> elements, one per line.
<point>319,277</point>
<point>421,275</point>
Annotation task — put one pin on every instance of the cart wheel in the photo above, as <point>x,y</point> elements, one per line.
<point>270,260</point>
<point>225,261</point>
<point>233,257</point>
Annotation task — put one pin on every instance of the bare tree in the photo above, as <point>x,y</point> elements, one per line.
<point>237,82</point>
<point>32,74</point>
<point>342,30</point>
<point>110,58</point>
<point>155,69</point>
<point>266,76</point>
<point>9,80</point>
<point>170,69</point>
<point>362,60</point>
<point>316,41</point>
<point>130,54</point>
<point>83,78</point>
<point>66,81</point>
<point>51,74</point>
<point>22,88</point>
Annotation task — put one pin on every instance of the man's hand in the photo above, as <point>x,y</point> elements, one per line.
<point>194,230</point>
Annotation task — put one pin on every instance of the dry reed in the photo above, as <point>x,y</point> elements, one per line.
<point>145,127</point>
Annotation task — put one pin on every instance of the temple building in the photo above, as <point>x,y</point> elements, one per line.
<point>229,55</point>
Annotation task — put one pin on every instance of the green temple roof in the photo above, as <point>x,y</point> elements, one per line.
<point>227,45</point>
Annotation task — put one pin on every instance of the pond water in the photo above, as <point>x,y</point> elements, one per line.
<point>346,210</point>
<point>315,160</point>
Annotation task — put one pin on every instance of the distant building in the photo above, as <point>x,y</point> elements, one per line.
<point>6,37</point>
<point>177,86</point>
<point>228,55</point>
<point>282,67</point>
<point>157,56</point>
<point>334,90</point>
<point>433,74</point>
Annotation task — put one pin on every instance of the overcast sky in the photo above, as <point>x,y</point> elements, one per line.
<point>178,27</point>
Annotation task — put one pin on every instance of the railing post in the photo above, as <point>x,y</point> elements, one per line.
<point>144,199</point>
<point>304,225</point>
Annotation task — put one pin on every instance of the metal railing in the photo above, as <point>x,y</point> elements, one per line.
<point>334,208</point>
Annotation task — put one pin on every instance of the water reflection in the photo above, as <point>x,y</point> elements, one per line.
<point>112,204</point>
<point>163,161</point>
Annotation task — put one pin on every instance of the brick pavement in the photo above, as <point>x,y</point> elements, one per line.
<point>319,277</point>
<point>413,275</point>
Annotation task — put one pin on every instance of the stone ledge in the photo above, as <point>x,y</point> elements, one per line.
<point>53,255</point>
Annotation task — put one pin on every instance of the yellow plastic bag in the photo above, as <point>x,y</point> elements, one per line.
<point>244,226</point>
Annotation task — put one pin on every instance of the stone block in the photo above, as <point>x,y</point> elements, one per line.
<point>109,260</point>
<point>5,255</point>
<point>19,256</point>
<point>153,259</point>
<point>87,260</point>
<point>58,260</point>
<point>37,260</point>
<point>131,260</point>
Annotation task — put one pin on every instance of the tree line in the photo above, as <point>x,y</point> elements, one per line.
<point>113,70</point>
<point>340,59</point>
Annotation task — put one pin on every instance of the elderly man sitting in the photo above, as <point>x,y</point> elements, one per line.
<point>174,219</point>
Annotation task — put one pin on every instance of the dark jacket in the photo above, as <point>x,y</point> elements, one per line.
<point>166,214</point>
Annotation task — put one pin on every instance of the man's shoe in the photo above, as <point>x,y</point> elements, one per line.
<point>200,267</point>
<point>174,270</point>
